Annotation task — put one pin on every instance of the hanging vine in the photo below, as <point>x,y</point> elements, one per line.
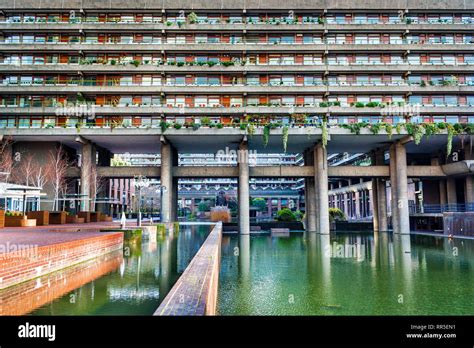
<point>324,132</point>
<point>266,134</point>
<point>389,130</point>
<point>449,145</point>
<point>250,129</point>
<point>285,138</point>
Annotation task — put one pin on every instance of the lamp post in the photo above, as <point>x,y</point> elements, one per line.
<point>140,181</point>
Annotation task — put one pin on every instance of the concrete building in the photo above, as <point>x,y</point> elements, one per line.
<point>315,78</point>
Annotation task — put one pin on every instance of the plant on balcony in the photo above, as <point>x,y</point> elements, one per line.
<point>169,23</point>
<point>226,64</point>
<point>389,130</point>
<point>375,128</point>
<point>359,105</point>
<point>449,145</point>
<point>205,121</point>
<point>192,18</point>
<point>323,104</point>
<point>211,63</point>
<point>422,83</point>
<point>177,125</point>
<point>180,64</point>
<point>320,20</point>
<point>164,126</point>
<point>372,104</point>
<point>113,62</point>
<point>219,125</point>
<point>408,20</point>
<point>416,131</point>
<point>135,62</point>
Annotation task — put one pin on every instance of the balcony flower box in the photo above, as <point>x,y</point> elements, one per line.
<point>86,215</point>
<point>2,218</point>
<point>41,216</point>
<point>57,217</point>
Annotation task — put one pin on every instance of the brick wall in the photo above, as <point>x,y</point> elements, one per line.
<point>19,266</point>
<point>25,297</point>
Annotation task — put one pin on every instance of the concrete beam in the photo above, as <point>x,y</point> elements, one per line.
<point>378,171</point>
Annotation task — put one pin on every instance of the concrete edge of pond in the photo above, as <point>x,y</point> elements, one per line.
<point>195,292</point>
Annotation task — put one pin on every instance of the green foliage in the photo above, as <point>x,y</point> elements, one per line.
<point>192,18</point>
<point>389,130</point>
<point>375,128</point>
<point>286,215</point>
<point>205,121</point>
<point>259,203</point>
<point>177,125</point>
<point>336,214</point>
<point>204,206</point>
<point>324,133</point>
<point>266,134</point>
<point>164,126</point>
<point>285,138</point>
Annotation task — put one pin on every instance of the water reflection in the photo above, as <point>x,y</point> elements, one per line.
<point>130,283</point>
<point>347,274</point>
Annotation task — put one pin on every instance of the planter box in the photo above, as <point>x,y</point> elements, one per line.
<point>105,218</point>
<point>86,215</point>
<point>19,221</point>
<point>74,219</point>
<point>2,218</point>
<point>95,216</point>
<point>41,216</point>
<point>57,218</point>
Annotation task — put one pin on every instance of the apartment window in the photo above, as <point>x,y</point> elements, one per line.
<point>253,80</point>
<point>287,60</point>
<point>288,100</point>
<point>288,80</point>
<point>236,101</point>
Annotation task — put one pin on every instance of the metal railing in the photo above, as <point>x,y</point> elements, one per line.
<point>440,208</point>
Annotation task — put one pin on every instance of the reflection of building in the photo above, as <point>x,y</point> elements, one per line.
<point>13,197</point>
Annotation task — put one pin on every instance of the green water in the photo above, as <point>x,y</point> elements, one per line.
<point>138,284</point>
<point>346,274</point>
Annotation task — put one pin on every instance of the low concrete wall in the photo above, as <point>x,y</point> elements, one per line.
<point>195,292</point>
<point>22,265</point>
<point>459,224</point>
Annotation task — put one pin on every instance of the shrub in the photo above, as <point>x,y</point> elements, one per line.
<point>259,203</point>
<point>336,214</point>
<point>286,215</point>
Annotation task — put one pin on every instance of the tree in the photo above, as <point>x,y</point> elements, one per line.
<point>57,167</point>
<point>97,184</point>
<point>286,215</point>
<point>25,170</point>
<point>6,159</point>
<point>259,203</point>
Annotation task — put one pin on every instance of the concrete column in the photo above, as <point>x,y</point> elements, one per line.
<point>402,188</point>
<point>469,193</point>
<point>310,205</point>
<point>87,173</point>
<point>310,196</point>
<point>381,195</point>
<point>167,183</point>
<point>451,190</point>
<point>375,205</point>
<point>244,189</point>
<point>393,188</point>
<point>443,199</point>
<point>357,205</point>
<point>321,180</point>
<point>382,205</point>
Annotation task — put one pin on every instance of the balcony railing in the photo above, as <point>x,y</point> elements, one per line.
<point>238,41</point>
<point>440,208</point>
